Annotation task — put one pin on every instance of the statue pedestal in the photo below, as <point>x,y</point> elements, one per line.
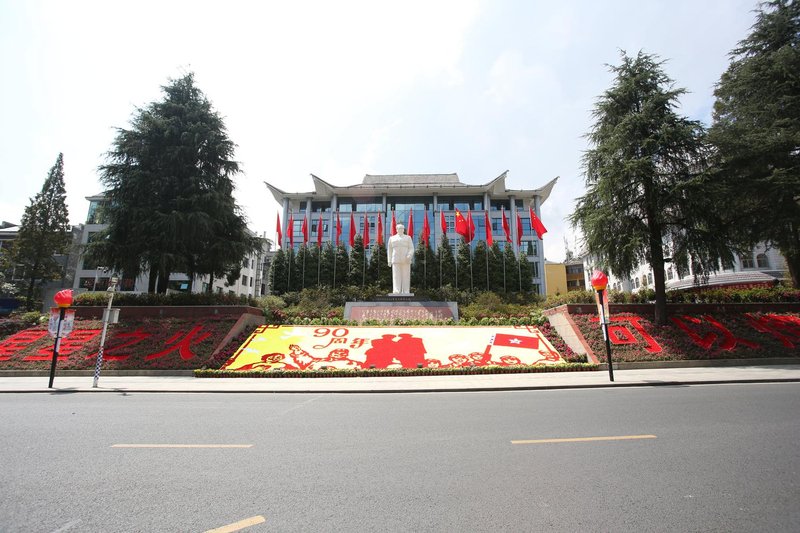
<point>400,307</point>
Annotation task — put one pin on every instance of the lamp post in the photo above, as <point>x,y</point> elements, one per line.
<point>599,283</point>
<point>112,286</point>
<point>57,327</point>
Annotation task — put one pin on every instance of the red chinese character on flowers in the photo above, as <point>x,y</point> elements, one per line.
<point>728,340</point>
<point>620,334</point>
<point>334,340</point>
<point>183,345</point>
<point>19,341</point>
<point>69,345</point>
<point>783,327</point>
<point>120,341</point>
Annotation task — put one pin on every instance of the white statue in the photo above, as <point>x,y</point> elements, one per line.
<point>400,253</point>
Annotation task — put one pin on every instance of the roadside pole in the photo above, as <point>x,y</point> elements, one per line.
<point>599,283</point>
<point>106,319</point>
<point>61,321</point>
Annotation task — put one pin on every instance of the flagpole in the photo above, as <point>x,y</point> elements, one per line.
<point>439,250</point>
<point>364,266</point>
<point>487,268</point>
<point>335,246</point>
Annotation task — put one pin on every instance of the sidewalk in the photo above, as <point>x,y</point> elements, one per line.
<point>487,382</point>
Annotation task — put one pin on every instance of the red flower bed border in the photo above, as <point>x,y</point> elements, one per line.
<point>693,332</point>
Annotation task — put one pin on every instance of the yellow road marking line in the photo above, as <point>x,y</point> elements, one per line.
<point>584,439</point>
<point>241,524</point>
<point>181,445</point>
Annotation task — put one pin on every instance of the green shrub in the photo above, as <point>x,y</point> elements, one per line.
<point>123,299</point>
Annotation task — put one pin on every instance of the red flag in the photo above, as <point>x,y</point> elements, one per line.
<point>489,241</point>
<point>393,229</point>
<point>426,230</point>
<point>461,225</point>
<point>515,341</point>
<point>338,228</point>
<point>352,230</point>
<point>537,225</point>
<point>444,223</point>
<point>280,231</point>
<point>470,226</point>
<point>304,229</point>
<point>366,231</point>
<point>506,228</point>
<point>290,230</point>
<point>380,229</point>
<point>519,229</point>
<point>319,232</point>
<point>410,228</point>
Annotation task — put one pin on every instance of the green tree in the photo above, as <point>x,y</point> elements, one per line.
<point>526,274</point>
<point>326,267</point>
<point>278,270</point>
<point>447,266</point>
<point>43,233</point>
<point>511,266</point>
<point>424,269</point>
<point>756,133</point>
<point>357,274</point>
<point>480,264</point>
<point>380,273</point>
<point>497,276</point>
<point>342,265</point>
<point>169,184</point>
<point>464,260</point>
<point>644,180</point>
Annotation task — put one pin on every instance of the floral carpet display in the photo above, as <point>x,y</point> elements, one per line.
<point>153,344</point>
<point>357,347</point>
<point>702,336</point>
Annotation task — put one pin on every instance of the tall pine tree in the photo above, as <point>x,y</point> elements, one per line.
<point>644,180</point>
<point>43,233</point>
<point>169,184</point>
<point>756,133</point>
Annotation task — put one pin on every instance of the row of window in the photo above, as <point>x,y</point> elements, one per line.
<point>374,204</point>
<point>402,217</point>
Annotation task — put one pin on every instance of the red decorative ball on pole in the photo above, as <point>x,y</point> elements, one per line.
<point>599,280</point>
<point>63,298</point>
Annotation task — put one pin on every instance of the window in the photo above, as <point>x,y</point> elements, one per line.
<point>244,280</point>
<point>650,278</point>
<point>669,273</point>
<point>462,203</point>
<point>747,262</point>
<point>95,215</point>
<point>762,261</point>
<point>535,269</point>
<point>251,282</point>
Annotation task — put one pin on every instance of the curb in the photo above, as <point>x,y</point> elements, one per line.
<point>409,391</point>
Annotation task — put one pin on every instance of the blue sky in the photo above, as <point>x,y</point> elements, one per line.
<point>342,89</point>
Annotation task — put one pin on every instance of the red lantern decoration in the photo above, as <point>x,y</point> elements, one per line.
<point>63,298</point>
<point>599,280</point>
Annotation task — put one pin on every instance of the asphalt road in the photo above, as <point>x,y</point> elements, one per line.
<point>698,458</point>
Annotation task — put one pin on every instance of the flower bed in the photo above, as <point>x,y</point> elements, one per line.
<point>148,344</point>
<point>634,337</point>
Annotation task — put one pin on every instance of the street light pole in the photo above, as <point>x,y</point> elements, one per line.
<point>599,283</point>
<point>106,317</point>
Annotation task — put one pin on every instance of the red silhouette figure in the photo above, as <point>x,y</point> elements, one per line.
<point>410,350</point>
<point>382,352</point>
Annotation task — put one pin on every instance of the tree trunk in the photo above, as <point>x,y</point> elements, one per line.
<point>29,296</point>
<point>151,279</point>
<point>210,287</point>
<point>793,264</point>
<point>163,281</point>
